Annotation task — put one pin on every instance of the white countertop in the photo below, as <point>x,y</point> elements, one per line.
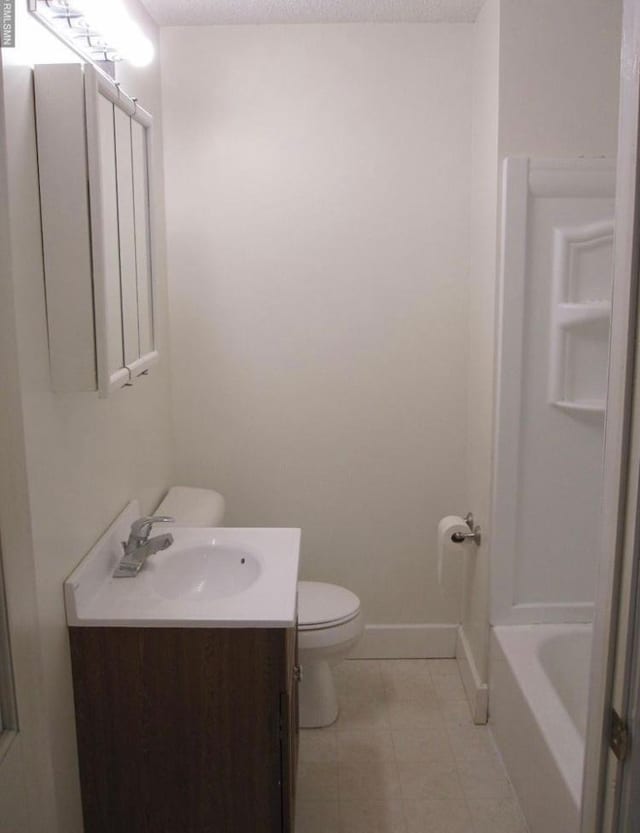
<point>93,598</point>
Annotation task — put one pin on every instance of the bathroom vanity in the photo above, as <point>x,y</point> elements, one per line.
<point>186,703</point>
<point>186,730</point>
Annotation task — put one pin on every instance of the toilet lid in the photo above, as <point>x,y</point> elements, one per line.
<point>321,604</point>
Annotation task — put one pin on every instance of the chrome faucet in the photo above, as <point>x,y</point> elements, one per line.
<point>139,546</point>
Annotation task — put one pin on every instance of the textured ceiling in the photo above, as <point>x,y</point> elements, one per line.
<point>203,12</point>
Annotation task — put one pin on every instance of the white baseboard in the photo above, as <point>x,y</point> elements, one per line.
<point>476,690</point>
<point>407,642</point>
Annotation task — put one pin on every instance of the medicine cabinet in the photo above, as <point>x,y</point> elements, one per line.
<point>93,158</point>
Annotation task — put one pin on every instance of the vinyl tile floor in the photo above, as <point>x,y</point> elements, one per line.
<point>403,757</point>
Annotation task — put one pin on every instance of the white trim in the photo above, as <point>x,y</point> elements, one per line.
<point>111,89</point>
<point>477,692</point>
<point>572,178</point>
<point>515,180</point>
<point>407,642</point>
<point>142,365</point>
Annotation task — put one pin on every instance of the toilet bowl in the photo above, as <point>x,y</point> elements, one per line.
<point>330,624</point>
<point>329,619</point>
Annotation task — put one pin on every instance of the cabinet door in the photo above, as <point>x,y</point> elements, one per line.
<point>127,237</point>
<point>112,372</point>
<point>215,768</point>
<point>118,142</point>
<point>143,252</point>
<point>66,236</point>
<point>147,354</point>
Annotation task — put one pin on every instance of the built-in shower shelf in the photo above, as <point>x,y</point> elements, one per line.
<point>585,406</point>
<point>579,314</point>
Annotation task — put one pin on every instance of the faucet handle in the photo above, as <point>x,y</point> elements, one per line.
<point>141,528</point>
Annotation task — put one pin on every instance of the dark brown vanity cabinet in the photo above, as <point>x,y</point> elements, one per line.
<point>186,730</point>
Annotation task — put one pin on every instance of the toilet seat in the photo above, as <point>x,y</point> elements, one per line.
<point>322,606</point>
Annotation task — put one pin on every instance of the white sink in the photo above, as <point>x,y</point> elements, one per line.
<point>208,577</point>
<point>203,573</point>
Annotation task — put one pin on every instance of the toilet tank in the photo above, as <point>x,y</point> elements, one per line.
<point>193,507</point>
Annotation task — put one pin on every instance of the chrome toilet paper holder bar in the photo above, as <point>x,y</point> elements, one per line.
<point>474,534</point>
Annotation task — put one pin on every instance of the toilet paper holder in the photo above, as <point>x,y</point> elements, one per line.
<point>474,534</point>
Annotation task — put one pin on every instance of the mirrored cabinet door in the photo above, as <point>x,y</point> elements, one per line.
<point>140,142</point>
<point>143,251</point>
<point>107,247</point>
<point>127,235</point>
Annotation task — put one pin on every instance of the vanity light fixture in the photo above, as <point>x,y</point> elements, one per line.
<point>100,32</point>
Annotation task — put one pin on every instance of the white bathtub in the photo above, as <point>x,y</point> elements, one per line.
<point>538,713</point>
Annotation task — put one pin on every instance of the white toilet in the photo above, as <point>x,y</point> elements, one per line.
<point>329,619</point>
<point>329,626</point>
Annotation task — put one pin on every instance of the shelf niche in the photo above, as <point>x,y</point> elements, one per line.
<point>581,317</point>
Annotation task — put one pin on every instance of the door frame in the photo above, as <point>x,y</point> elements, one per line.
<point>625,800</point>
<point>599,780</point>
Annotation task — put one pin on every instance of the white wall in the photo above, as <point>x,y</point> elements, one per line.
<point>85,457</point>
<point>317,205</point>
<point>26,768</point>
<point>559,74</point>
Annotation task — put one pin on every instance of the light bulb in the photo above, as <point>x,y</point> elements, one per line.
<point>113,22</point>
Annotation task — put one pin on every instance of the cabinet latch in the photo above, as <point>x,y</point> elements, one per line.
<point>619,736</point>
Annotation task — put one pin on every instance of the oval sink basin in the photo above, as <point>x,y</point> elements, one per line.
<point>204,572</point>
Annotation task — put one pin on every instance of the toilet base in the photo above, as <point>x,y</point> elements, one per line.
<point>317,696</point>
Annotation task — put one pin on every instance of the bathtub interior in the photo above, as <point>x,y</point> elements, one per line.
<point>539,682</point>
<point>565,657</point>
